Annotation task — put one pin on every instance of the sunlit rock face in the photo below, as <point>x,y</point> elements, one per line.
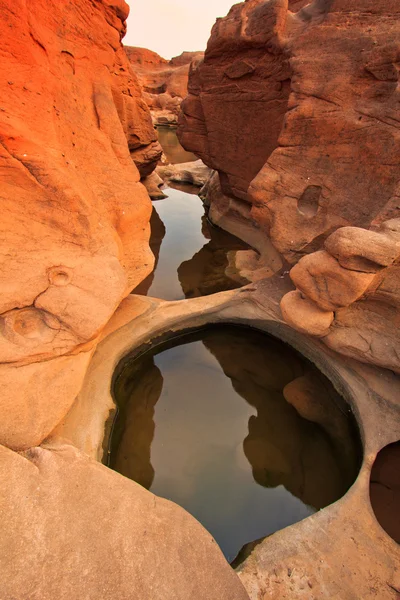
<point>295,106</point>
<point>164,82</point>
<point>74,227</point>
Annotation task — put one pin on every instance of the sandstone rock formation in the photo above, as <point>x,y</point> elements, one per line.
<point>352,293</point>
<point>74,231</point>
<point>164,82</point>
<point>84,531</point>
<point>196,173</point>
<point>294,106</point>
<point>297,111</point>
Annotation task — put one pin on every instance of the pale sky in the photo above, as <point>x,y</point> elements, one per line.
<point>171,26</point>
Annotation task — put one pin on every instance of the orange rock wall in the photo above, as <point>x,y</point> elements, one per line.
<point>75,219</point>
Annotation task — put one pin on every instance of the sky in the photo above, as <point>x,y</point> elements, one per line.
<point>171,26</point>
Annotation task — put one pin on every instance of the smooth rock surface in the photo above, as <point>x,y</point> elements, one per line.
<point>76,529</point>
<point>74,230</point>
<point>195,173</point>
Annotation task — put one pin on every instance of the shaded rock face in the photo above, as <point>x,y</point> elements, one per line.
<point>295,107</point>
<point>74,228</point>
<point>164,83</point>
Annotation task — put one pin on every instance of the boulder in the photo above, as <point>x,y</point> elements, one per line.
<point>363,293</point>
<point>195,173</point>
<point>364,250</point>
<point>76,529</point>
<point>320,277</point>
<point>304,315</point>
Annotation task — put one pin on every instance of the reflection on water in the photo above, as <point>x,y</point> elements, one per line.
<point>173,151</point>
<point>191,254</point>
<point>236,428</point>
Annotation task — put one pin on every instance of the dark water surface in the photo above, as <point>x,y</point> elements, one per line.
<point>205,423</point>
<point>191,254</point>
<point>173,151</point>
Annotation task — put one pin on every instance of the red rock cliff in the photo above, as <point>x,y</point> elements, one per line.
<point>298,112</point>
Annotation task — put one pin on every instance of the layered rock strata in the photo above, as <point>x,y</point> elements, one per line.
<point>164,82</point>
<point>297,111</point>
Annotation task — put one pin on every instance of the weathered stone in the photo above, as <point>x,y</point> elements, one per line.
<point>195,173</point>
<point>152,183</point>
<point>363,250</point>
<point>320,277</point>
<point>164,83</point>
<point>297,113</point>
<point>74,230</point>
<point>82,530</point>
<point>304,315</point>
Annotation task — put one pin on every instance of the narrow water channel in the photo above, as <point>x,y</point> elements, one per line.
<point>191,254</point>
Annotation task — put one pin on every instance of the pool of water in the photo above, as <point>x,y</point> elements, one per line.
<point>191,254</point>
<point>173,150</point>
<point>235,427</point>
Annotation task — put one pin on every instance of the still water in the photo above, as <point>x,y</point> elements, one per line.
<point>191,255</point>
<point>238,429</point>
<point>173,151</point>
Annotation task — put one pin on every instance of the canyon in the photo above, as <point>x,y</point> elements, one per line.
<point>294,110</point>
<point>164,83</point>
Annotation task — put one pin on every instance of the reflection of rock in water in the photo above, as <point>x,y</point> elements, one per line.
<point>157,235</point>
<point>309,456</point>
<point>133,434</point>
<point>205,274</point>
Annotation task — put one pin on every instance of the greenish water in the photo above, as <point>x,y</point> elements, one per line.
<point>173,151</point>
<point>204,422</point>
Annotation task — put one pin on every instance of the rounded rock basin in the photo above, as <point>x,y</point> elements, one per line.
<point>237,428</point>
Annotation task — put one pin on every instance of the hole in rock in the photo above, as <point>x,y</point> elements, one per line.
<point>385,489</point>
<point>237,428</point>
<point>308,203</point>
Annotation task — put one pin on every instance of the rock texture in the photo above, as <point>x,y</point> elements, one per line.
<point>75,138</point>
<point>349,294</point>
<point>296,107</point>
<point>341,551</point>
<point>74,229</point>
<point>164,82</point>
<point>196,173</point>
<point>87,532</point>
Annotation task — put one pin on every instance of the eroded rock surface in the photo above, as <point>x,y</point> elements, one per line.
<point>296,107</point>
<point>74,228</point>
<point>349,294</point>
<point>164,82</point>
